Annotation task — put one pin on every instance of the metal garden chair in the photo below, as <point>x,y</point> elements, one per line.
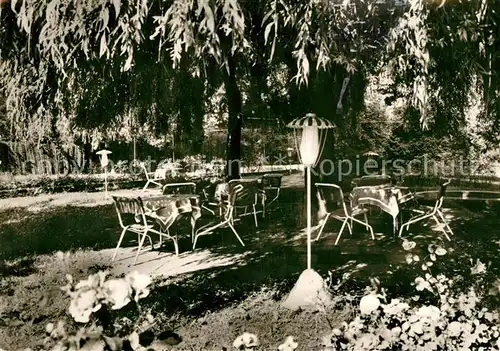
<point>332,197</point>
<point>154,177</point>
<point>271,184</point>
<point>132,218</point>
<point>237,193</point>
<point>433,212</point>
<point>253,194</point>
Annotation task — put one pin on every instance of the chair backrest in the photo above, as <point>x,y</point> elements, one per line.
<point>129,207</point>
<point>244,192</point>
<point>442,193</point>
<point>179,188</point>
<point>271,181</point>
<point>332,196</point>
<point>143,166</point>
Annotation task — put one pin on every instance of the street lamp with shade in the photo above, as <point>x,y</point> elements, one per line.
<point>103,157</point>
<point>310,136</point>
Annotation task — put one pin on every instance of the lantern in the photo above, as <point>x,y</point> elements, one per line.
<point>103,157</point>
<point>310,137</point>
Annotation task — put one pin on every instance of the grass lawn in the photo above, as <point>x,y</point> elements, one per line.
<point>211,304</point>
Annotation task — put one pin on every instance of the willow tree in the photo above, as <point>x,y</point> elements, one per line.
<point>50,46</point>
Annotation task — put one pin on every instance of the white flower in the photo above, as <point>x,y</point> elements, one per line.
<point>118,293</point>
<point>478,268</point>
<point>140,283</point>
<point>369,303</point>
<point>82,304</point>
<point>422,284</point>
<point>288,345</point>
<point>246,340</point>
<point>395,307</point>
<point>408,245</point>
<point>454,329</point>
<point>396,331</point>
<point>431,312</point>
<point>409,258</point>
<point>418,328</point>
<point>440,251</point>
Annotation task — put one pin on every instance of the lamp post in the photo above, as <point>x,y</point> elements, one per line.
<point>103,157</point>
<point>309,146</point>
<point>310,137</point>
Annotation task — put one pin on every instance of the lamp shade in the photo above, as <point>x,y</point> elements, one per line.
<point>309,145</point>
<point>311,141</point>
<point>103,155</point>
<point>310,120</point>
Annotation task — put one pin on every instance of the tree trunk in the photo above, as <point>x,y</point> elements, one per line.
<point>234,123</point>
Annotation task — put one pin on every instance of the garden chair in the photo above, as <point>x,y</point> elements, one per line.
<point>209,201</point>
<point>132,218</point>
<point>253,193</point>
<point>332,197</point>
<point>154,177</point>
<point>179,188</point>
<point>271,184</point>
<point>237,193</point>
<point>433,212</point>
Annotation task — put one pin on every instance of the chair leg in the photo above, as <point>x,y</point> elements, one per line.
<point>255,216</point>
<point>401,229</point>
<point>176,245</point>
<point>341,230</point>
<point>145,186</point>
<point>445,222</point>
<point>322,226</point>
<point>139,248</point>
<point>369,227</point>
<point>440,225</point>
<point>205,230</point>
<point>366,219</point>
<point>119,242</point>
<point>235,233</point>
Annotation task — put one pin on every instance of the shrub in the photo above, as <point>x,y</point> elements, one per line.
<point>457,321</point>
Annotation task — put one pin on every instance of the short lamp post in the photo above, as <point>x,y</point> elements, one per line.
<point>310,137</point>
<point>103,157</point>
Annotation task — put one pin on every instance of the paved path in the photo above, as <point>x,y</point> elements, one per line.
<point>45,201</point>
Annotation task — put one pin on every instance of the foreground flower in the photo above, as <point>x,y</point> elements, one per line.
<point>246,341</point>
<point>422,284</point>
<point>117,292</point>
<point>454,329</point>
<point>140,283</point>
<point>83,304</point>
<point>288,345</point>
<point>408,245</point>
<point>478,268</point>
<point>395,307</point>
<point>440,251</point>
<point>431,312</point>
<point>368,304</point>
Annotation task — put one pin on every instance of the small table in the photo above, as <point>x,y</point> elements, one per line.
<point>165,209</point>
<point>372,180</point>
<point>385,197</point>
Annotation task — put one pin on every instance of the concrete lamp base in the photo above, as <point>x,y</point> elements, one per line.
<point>310,291</point>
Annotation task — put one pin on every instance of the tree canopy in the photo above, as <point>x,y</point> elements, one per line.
<point>94,61</point>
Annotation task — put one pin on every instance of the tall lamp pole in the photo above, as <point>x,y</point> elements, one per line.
<point>310,137</point>
<point>309,146</point>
